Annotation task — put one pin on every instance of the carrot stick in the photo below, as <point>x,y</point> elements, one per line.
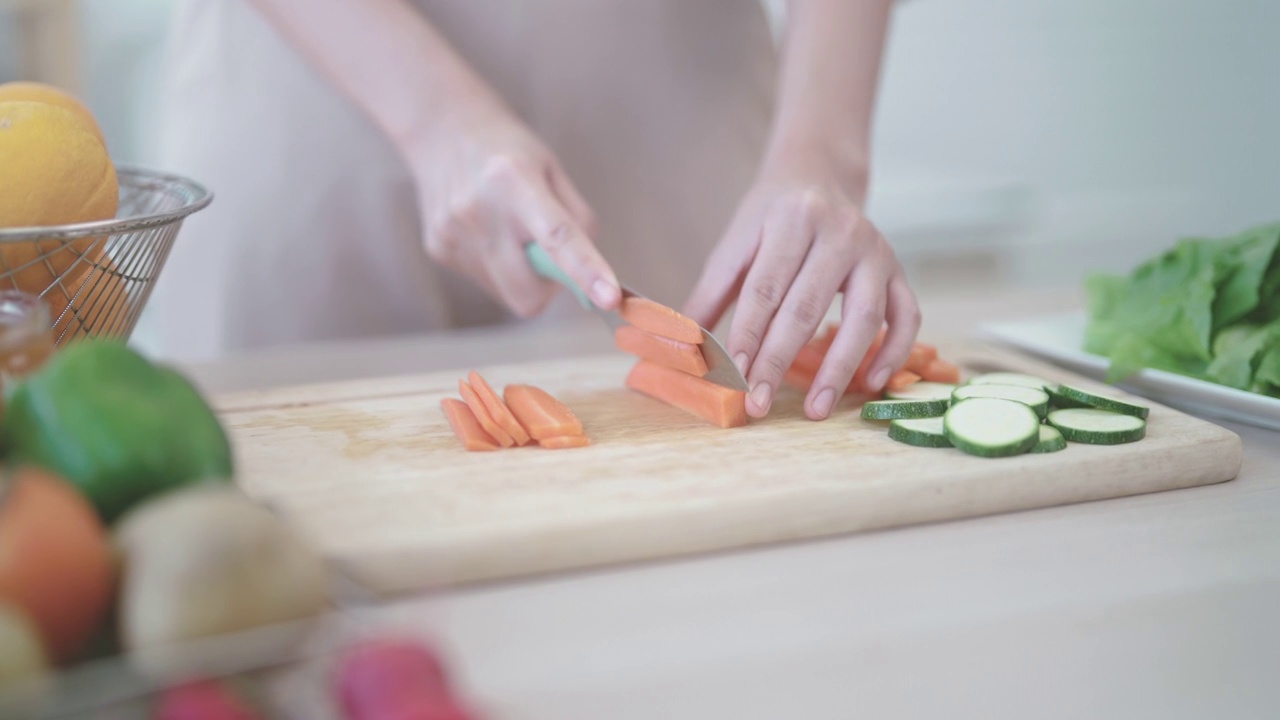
<point>901,379</point>
<point>798,378</point>
<point>660,320</point>
<point>804,369</point>
<point>561,442</point>
<point>540,414</point>
<point>498,410</point>
<point>718,405</point>
<point>482,415</point>
<point>939,370</point>
<point>919,358</point>
<point>466,427</point>
<point>682,356</point>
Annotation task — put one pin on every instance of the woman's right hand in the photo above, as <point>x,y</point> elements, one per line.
<point>487,186</point>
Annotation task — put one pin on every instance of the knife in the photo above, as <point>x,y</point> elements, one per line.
<point>720,367</point>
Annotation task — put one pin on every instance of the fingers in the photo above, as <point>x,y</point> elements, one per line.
<point>806,303</point>
<point>722,277</point>
<point>577,205</point>
<point>784,242</point>
<point>903,314</point>
<point>515,283</point>
<point>548,222</point>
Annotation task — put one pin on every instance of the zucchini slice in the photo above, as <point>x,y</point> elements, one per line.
<point>992,427</point>
<point>1033,398</point>
<point>921,432</point>
<point>1050,440</point>
<point>923,391</point>
<point>900,409</point>
<point>1098,427</point>
<point>1102,402</point>
<point>1011,378</point>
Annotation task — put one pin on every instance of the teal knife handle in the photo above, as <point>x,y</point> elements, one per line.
<point>546,267</point>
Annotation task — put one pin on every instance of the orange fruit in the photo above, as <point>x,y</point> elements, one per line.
<point>56,559</point>
<point>53,171</point>
<point>50,95</point>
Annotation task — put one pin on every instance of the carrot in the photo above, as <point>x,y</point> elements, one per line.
<point>498,410</point>
<point>718,405</point>
<point>920,357</point>
<point>540,414</point>
<point>466,427</point>
<point>798,378</point>
<point>682,356</point>
<point>939,370</point>
<point>482,415</point>
<point>804,369</point>
<point>901,379</point>
<point>660,320</point>
<point>560,442</point>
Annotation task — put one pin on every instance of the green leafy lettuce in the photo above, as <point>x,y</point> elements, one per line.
<point>1207,308</point>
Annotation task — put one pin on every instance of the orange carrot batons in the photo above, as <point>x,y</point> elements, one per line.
<point>465,426</point>
<point>482,415</point>
<point>718,405</point>
<point>498,410</point>
<point>939,370</point>
<point>682,356</point>
<point>660,320</point>
<point>542,415</point>
<point>901,379</point>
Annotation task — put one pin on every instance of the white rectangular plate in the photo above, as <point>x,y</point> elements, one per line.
<point>1060,340</point>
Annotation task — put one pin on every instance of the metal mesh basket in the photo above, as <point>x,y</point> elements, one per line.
<point>96,277</point>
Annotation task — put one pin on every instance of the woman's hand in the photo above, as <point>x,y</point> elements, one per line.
<point>799,238</point>
<point>487,187</point>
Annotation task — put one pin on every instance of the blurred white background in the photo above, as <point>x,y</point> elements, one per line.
<point>1057,136</point>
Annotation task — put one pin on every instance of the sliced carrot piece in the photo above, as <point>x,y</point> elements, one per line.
<point>901,379</point>
<point>939,370</point>
<point>465,426</point>
<point>661,320</point>
<point>682,356</point>
<point>561,442</point>
<point>498,410</point>
<point>482,415</point>
<point>542,415</point>
<point>798,378</point>
<point>919,359</point>
<point>718,405</point>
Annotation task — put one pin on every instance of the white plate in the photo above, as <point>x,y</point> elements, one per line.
<point>1060,339</point>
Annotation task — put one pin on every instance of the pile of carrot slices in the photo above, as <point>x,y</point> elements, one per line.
<point>671,364</point>
<point>523,415</point>
<point>923,363</point>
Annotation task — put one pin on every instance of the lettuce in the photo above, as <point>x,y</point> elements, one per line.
<point>1207,308</point>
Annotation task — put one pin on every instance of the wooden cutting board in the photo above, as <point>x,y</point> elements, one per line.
<point>371,473</point>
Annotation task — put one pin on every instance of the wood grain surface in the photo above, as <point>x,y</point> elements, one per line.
<point>370,471</point>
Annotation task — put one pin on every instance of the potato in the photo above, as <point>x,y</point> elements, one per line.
<point>206,562</point>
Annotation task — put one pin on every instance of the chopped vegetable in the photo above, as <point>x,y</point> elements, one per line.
<point>1103,402</point>
<point>921,432</point>
<point>920,358</point>
<point>899,409</point>
<point>992,427</point>
<point>660,320</point>
<point>561,442</point>
<point>682,356</point>
<point>482,415</point>
<point>718,405</point>
<point>901,379</point>
<point>542,415</point>
<point>1098,427</point>
<point>498,410</point>
<point>1050,440</point>
<point>1010,378</point>
<point>465,426</point>
<point>1033,398</point>
<point>939,370</point>
<point>923,390</point>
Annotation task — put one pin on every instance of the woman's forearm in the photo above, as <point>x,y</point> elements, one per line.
<point>386,56</point>
<point>829,76</point>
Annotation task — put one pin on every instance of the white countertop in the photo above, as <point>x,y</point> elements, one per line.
<point>1163,605</point>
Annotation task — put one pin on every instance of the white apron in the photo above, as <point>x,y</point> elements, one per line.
<point>659,110</point>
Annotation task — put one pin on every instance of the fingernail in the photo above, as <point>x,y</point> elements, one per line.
<point>740,361</point>
<point>762,396</point>
<point>822,404</point>
<point>602,293</point>
<point>880,377</point>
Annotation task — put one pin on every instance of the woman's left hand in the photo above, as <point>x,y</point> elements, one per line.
<point>798,239</point>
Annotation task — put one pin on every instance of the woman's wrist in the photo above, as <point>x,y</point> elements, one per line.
<point>817,156</point>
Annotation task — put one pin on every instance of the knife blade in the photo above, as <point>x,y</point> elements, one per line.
<point>720,367</point>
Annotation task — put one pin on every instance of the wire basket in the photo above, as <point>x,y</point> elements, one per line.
<point>95,278</point>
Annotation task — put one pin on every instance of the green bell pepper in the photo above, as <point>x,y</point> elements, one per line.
<point>114,424</point>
